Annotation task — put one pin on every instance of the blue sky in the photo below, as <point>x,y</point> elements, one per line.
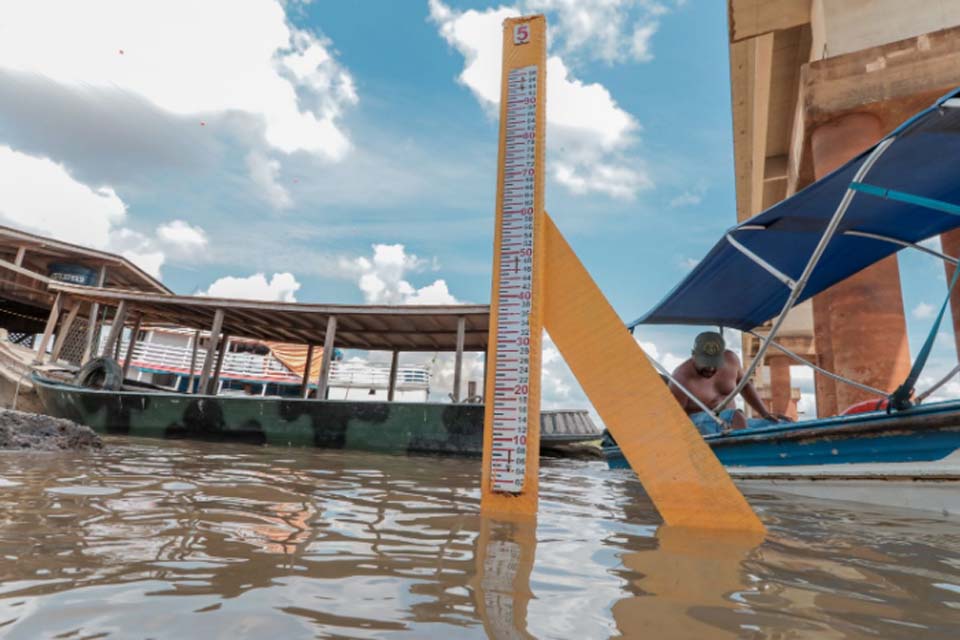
<point>262,149</point>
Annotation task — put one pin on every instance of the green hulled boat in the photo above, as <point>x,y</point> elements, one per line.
<point>394,427</point>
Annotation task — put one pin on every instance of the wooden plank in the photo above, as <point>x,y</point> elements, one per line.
<point>116,329</point>
<point>392,384</point>
<point>211,349</point>
<point>221,356</point>
<point>328,347</point>
<point>458,359</point>
<point>64,330</point>
<point>93,322</point>
<point>48,329</point>
<point>193,361</point>
<point>679,472</point>
<point>305,384</point>
<point>131,343</point>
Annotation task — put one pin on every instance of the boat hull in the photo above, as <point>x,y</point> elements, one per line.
<point>908,459</point>
<point>391,427</point>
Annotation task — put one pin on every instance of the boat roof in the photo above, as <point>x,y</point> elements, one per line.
<point>369,327</point>
<point>41,251</point>
<point>911,193</point>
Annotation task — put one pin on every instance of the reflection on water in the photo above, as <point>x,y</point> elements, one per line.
<point>152,539</point>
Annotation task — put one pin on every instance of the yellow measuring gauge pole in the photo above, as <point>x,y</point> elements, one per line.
<point>511,450</point>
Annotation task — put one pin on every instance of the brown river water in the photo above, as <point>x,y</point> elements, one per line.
<point>163,539</point>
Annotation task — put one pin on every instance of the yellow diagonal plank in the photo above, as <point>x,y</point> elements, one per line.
<point>678,470</point>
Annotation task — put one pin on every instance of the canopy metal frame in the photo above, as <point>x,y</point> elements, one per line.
<point>798,286</point>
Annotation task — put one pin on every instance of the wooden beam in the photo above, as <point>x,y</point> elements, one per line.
<point>305,383</point>
<point>221,356</point>
<point>21,252</point>
<point>131,343</point>
<point>93,323</point>
<point>211,349</point>
<point>458,359</point>
<point>64,331</point>
<point>328,342</point>
<point>193,361</point>
<point>392,385</point>
<point>48,329</point>
<point>116,329</point>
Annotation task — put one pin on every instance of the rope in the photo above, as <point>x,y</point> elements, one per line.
<point>900,399</point>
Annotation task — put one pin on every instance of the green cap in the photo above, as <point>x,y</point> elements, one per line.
<point>708,349</point>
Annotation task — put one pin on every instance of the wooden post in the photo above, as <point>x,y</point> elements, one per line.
<point>484,387</point>
<point>116,329</point>
<point>392,385</point>
<point>458,362</point>
<point>93,325</point>
<point>21,252</point>
<point>131,343</point>
<point>211,349</point>
<point>193,361</point>
<point>48,329</point>
<point>64,330</point>
<point>215,381</point>
<point>328,340</point>
<point>305,383</point>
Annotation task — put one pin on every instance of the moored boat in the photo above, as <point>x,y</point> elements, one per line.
<point>394,427</point>
<point>895,195</point>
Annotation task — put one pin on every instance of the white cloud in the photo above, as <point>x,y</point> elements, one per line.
<point>670,361</point>
<point>606,30</point>
<point>383,277</point>
<point>182,236</point>
<point>686,199</point>
<point>589,132</point>
<point>282,287</point>
<point>39,195</point>
<point>264,172</point>
<point>688,263</point>
<point>183,57</point>
<point>138,249</point>
<point>923,311</point>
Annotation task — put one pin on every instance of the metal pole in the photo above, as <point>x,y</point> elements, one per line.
<point>305,383</point>
<point>923,396</point>
<point>392,384</point>
<point>797,289</point>
<point>458,361</point>
<point>328,341</point>
<point>48,329</point>
<point>211,350</point>
<point>131,343</point>
<point>801,360</point>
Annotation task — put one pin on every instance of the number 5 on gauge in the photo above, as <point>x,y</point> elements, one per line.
<point>521,34</point>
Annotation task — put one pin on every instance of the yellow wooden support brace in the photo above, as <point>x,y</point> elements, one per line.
<point>678,470</point>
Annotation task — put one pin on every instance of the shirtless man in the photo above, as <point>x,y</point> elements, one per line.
<point>711,374</point>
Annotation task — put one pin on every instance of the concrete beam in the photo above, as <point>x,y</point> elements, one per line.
<point>750,18</point>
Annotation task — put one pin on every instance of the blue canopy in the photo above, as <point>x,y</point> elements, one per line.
<point>911,193</point>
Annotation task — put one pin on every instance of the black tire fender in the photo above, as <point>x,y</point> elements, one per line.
<point>100,373</point>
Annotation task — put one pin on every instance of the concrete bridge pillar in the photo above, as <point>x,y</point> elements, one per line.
<point>860,328</point>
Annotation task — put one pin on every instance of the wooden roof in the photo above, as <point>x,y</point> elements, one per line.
<point>388,328</point>
<point>42,251</point>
